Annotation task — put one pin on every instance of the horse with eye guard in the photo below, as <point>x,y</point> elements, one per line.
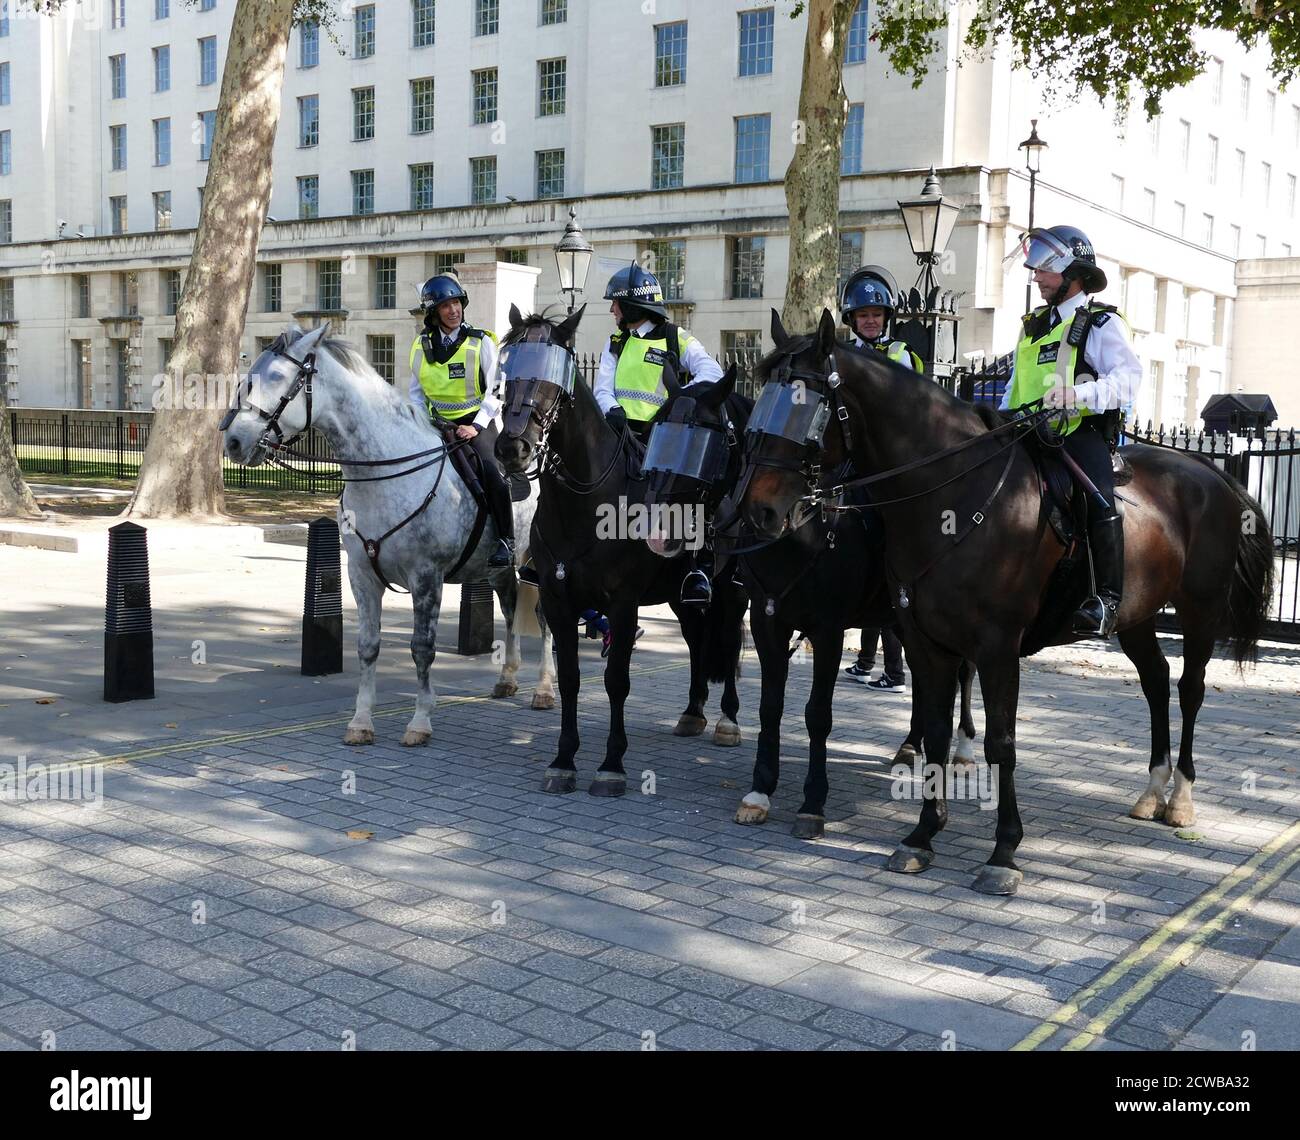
<point>589,477</point>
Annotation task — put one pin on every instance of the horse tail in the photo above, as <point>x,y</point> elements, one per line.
<point>724,630</point>
<point>1250,593</point>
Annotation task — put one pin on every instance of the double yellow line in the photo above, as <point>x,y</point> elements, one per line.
<point>1185,922</point>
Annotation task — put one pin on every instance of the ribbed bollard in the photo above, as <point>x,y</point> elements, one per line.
<point>322,606</point>
<point>476,620</point>
<point>128,617</point>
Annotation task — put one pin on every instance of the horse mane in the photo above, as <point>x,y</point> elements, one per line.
<point>533,321</point>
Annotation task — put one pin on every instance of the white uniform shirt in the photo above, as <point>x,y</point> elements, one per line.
<point>695,359</point>
<point>1107,355</point>
<point>493,397</point>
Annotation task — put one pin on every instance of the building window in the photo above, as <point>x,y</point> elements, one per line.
<point>742,342</point>
<point>383,356</point>
<point>117,13</point>
<point>207,5</point>
<point>855,48</point>
<point>483,180</point>
<point>308,120</point>
<point>1216,80</point>
<point>162,142</point>
<point>1265,182</point>
<point>1271,103</point>
<point>385,282</point>
<point>485,95</point>
<point>1207,230</point>
<point>1185,143</point>
<point>421,23</point>
<point>555,11</point>
<point>363,32</point>
<point>117,213</point>
<point>670,54</point>
<point>421,186</point>
<point>209,121</point>
<point>1180,219</point>
<point>161,9</point>
<point>329,285</point>
<point>851,152</point>
<point>1245,96</point>
<point>668,264</point>
<point>171,291</point>
<point>82,285</point>
<point>1212,160</point>
<point>117,76</point>
<point>6,299</point>
<point>1241,172</point>
<point>1235,231</point>
<point>756,30</point>
<point>1149,205</point>
<point>552,83</point>
<point>1261,243</point>
<point>4,18</point>
<point>1290,195</point>
<point>6,221</point>
<point>207,60</point>
<point>513,256</point>
<point>162,210</point>
<point>363,113</point>
<point>667,156</point>
<point>308,45</point>
<point>1117,192</point>
<point>1153,135</point>
<point>421,106</point>
<point>270,288</point>
<point>162,68</point>
<point>753,138</point>
<point>850,257</point>
<point>747,268</point>
<point>550,174</point>
<point>308,196</point>
<point>5,94</point>
<point>487,17</point>
<point>6,153</point>
<point>447,261</point>
<point>363,191</point>
<point>117,146</point>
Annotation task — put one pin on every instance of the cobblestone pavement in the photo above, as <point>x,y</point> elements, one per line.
<point>215,899</point>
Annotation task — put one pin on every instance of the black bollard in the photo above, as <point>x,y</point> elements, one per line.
<point>476,619</point>
<point>322,607</point>
<point>128,617</point>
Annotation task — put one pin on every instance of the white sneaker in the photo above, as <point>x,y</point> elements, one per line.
<point>883,684</point>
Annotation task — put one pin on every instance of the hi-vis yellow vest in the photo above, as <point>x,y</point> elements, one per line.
<point>899,353</point>
<point>452,388</point>
<point>1045,362</point>
<point>639,378</point>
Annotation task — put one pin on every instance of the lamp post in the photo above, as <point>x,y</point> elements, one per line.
<point>573,259</point>
<point>929,221</point>
<point>1033,147</point>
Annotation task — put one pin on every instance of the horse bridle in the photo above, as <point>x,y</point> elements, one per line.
<point>300,383</point>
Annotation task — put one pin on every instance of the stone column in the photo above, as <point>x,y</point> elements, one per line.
<point>493,287</point>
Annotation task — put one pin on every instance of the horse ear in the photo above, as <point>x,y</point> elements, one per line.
<point>568,328</point>
<point>516,317</point>
<point>715,395</point>
<point>779,335</point>
<point>826,334</point>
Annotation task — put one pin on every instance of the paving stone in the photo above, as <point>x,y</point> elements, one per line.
<point>332,1018</point>
<point>116,1011</point>
<point>860,1027</point>
<point>698,1037</point>
<point>346,987</point>
<point>483,1002</point>
<point>269,993</point>
<point>558,1029</point>
<point>199,1003</point>
<point>467,1032</point>
<point>171,1033</point>
<point>407,1009</point>
<point>255,1026</point>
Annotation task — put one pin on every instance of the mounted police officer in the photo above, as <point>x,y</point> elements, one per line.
<point>867,306</point>
<point>645,362</point>
<point>454,378</point>
<point>1074,354</point>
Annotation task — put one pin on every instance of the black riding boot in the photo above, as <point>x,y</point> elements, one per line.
<point>1099,615</point>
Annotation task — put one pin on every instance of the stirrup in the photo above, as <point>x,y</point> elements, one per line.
<point>697,590</point>
<point>1097,617</point>
<point>503,555</point>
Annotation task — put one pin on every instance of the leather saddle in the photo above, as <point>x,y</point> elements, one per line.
<point>469,466</point>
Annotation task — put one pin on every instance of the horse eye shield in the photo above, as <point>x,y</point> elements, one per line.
<point>528,365</point>
<point>793,412</point>
<point>691,451</point>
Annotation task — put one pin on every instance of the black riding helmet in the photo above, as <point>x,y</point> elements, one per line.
<point>442,288</point>
<point>637,292</point>
<point>872,286</point>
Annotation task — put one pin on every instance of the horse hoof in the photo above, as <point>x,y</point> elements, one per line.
<point>559,781</point>
<point>1148,807</point>
<point>608,785</point>
<point>727,733</point>
<point>504,689</point>
<point>359,736</point>
<point>1184,815</point>
<point>688,725</point>
<point>906,754</point>
<point>415,737</point>
<point>963,764</point>
<point>808,826</point>
<point>753,808</point>
<point>543,700</point>
<point>910,860</point>
<point>998,880</point>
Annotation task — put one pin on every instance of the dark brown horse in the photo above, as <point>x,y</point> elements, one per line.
<point>970,555</point>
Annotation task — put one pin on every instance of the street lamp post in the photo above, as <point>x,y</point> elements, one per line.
<point>1033,147</point>
<point>573,259</point>
<point>929,221</point>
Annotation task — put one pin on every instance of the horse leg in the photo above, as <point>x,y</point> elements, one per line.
<point>544,693</point>
<point>611,779</point>
<point>426,599</point>
<point>965,754</point>
<point>1142,647</point>
<point>507,593</point>
<point>692,722</point>
<point>1198,646</point>
<point>772,642</point>
<point>369,596</point>
<point>734,601</point>
<point>828,645</point>
<point>934,675</point>
<point>1000,684</point>
<point>911,748</point>
<point>562,776</point>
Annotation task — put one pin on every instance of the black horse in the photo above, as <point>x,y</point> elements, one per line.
<point>825,577</point>
<point>589,551</point>
<point>983,588</point>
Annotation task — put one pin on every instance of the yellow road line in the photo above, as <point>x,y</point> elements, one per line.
<point>283,729</point>
<point>1171,928</point>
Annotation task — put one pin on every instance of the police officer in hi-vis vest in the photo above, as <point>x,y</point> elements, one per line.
<point>1074,354</point>
<point>645,362</point>
<point>454,376</point>
<point>867,307</point>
